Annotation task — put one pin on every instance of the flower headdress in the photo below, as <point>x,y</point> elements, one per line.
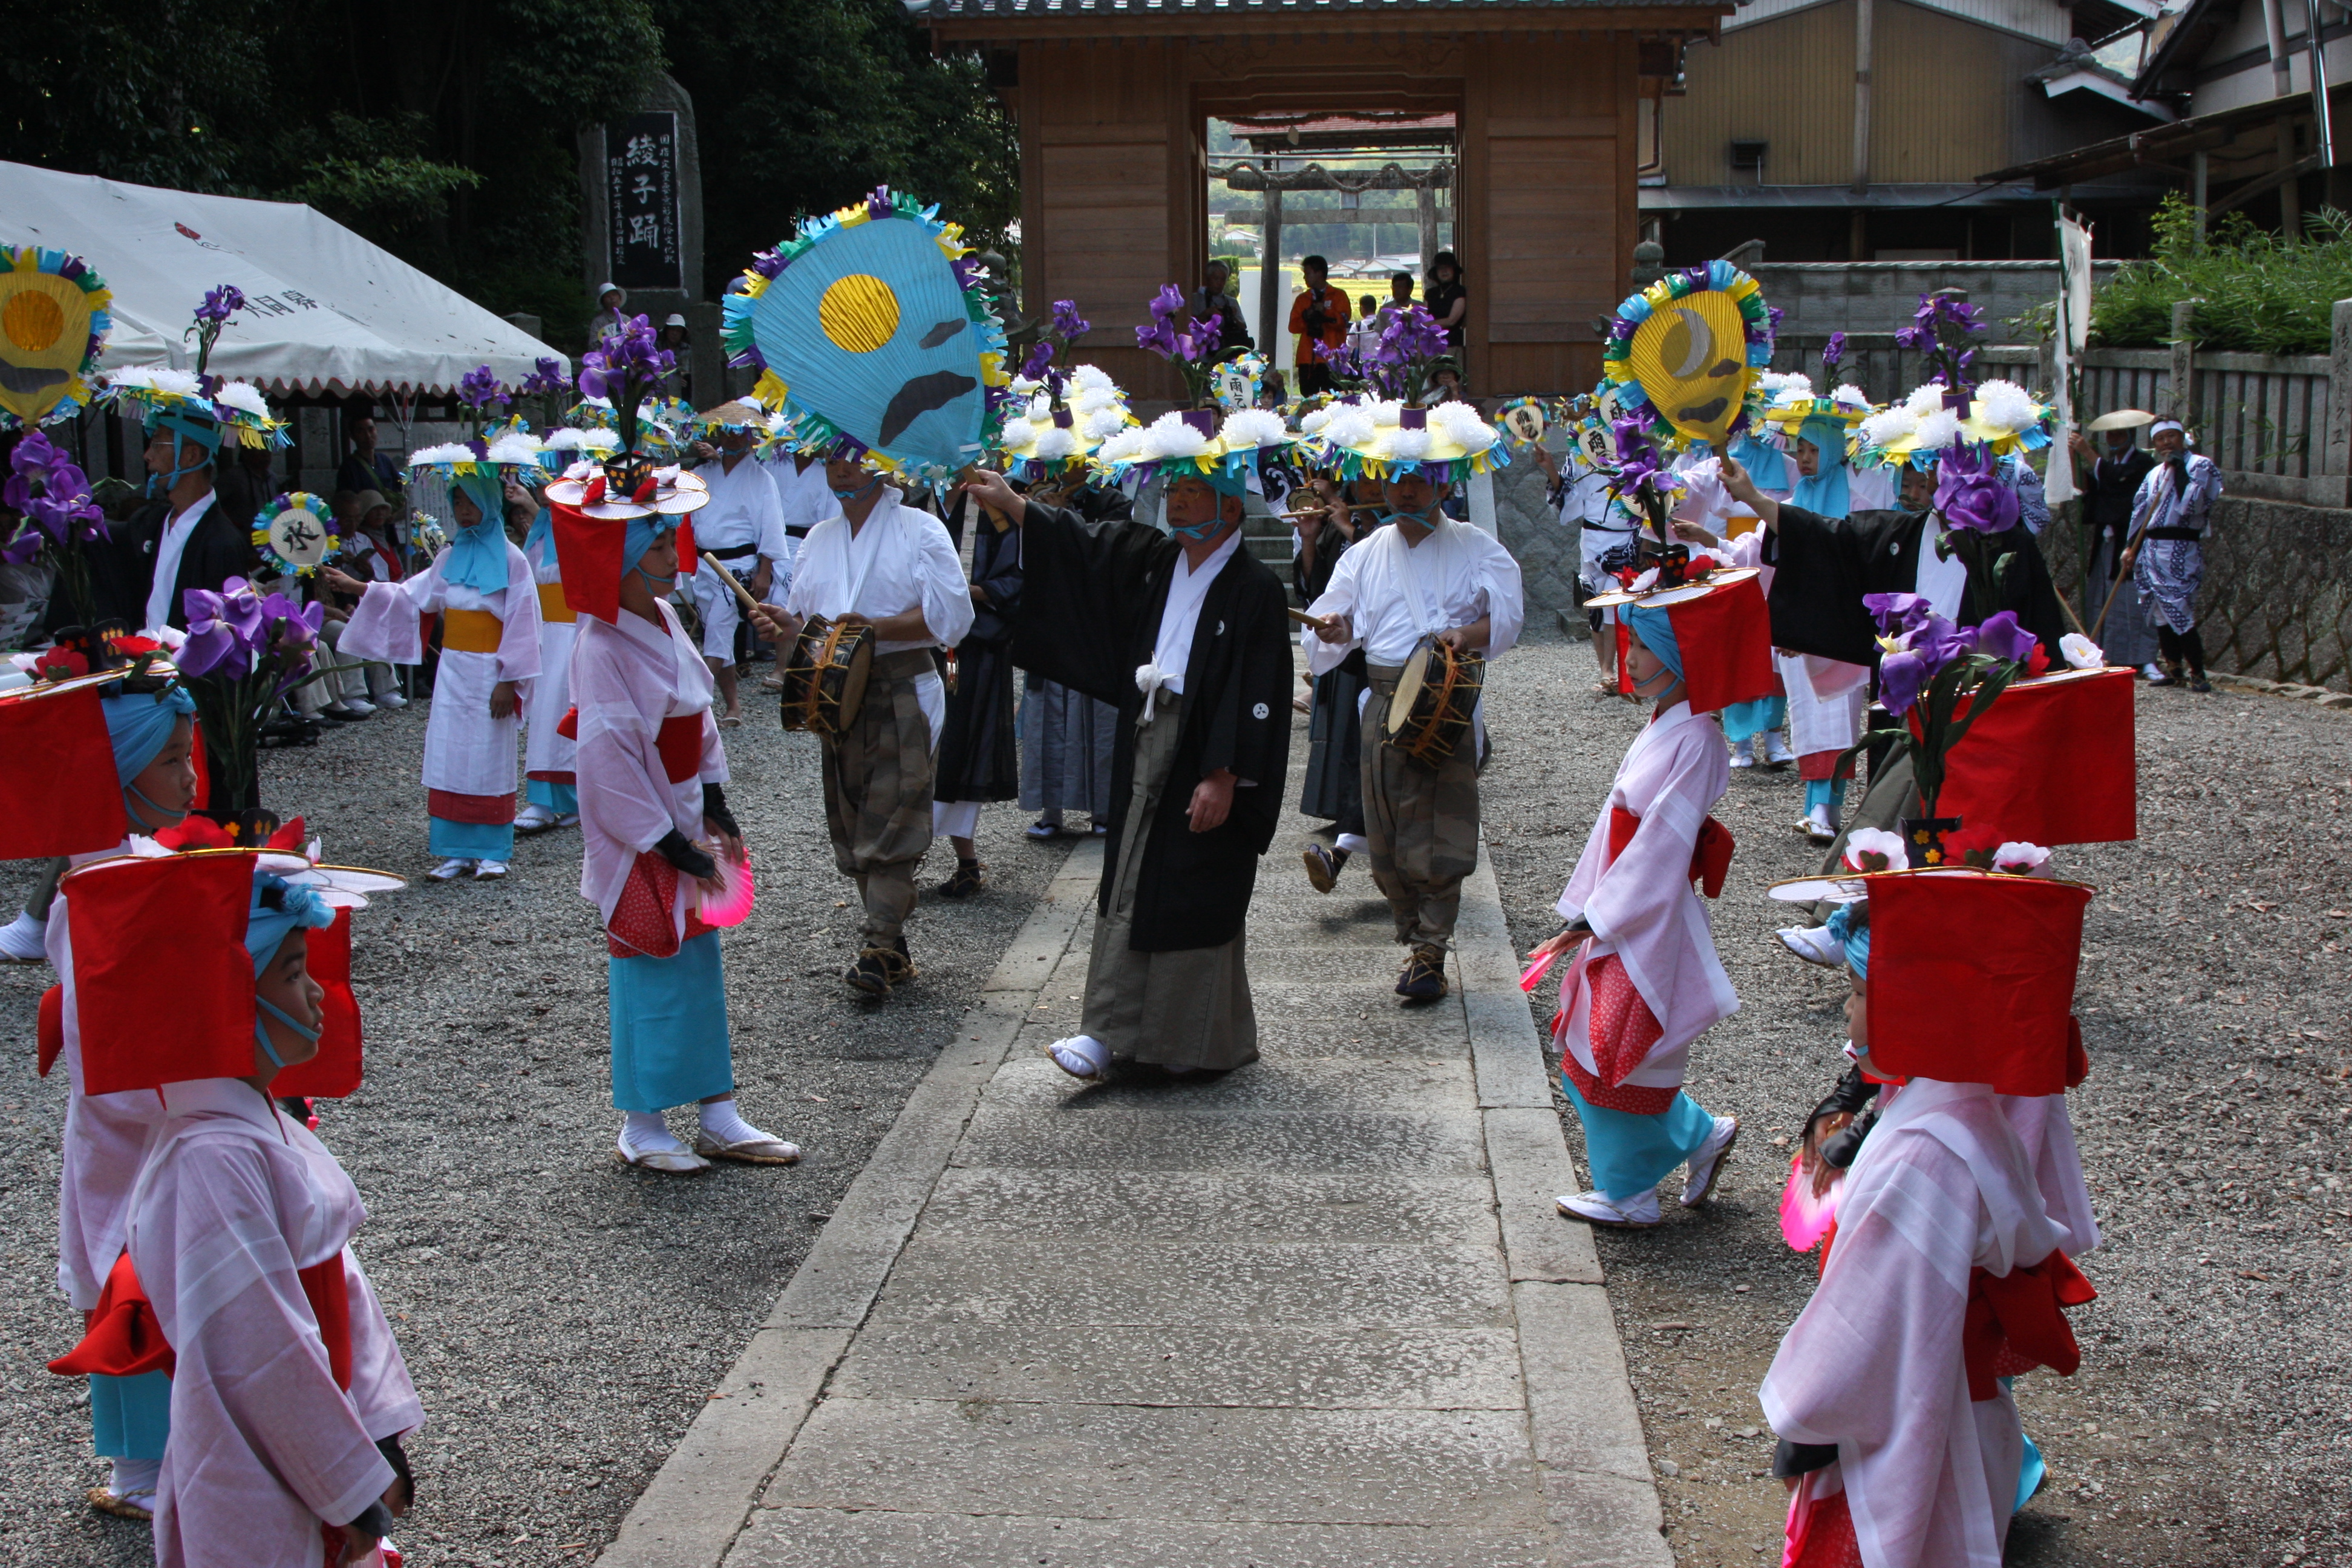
<point>1687,352</point>
<point>1047,439</point>
<point>1192,444</point>
<point>196,404</point>
<point>54,320</point>
<point>1381,439</point>
<point>1192,349</point>
<point>873,326</point>
<point>296,533</point>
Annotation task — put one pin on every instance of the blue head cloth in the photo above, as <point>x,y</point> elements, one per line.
<point>279,907</point>
<point>1825,492</point>
<point>198,431</point>
<point>1765,463</point>
<point>542,532</point>
<point>477,555</point>
<point>1657,634</point>
<point>1850,925</point>
<point>139,723</point>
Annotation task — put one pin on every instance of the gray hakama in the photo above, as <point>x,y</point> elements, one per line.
<point>2126,639</point>
<point>1196,1000</point>
<point>1067,741</point>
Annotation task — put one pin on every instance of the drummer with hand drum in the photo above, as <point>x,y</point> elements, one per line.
<point>1421,592</point>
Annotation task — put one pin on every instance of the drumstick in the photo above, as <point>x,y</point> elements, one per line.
<point>1303,618</point>
<point>749,603</point>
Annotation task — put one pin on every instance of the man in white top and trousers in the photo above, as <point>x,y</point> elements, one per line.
<point>743,529</point>
<point>1425,576</point>
<point>880,562</point>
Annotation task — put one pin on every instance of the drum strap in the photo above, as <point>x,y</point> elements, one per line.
<point>1416,596</point>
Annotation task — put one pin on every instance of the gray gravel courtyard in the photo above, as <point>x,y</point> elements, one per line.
<point>2211,1420</point>
<point>565,1317</point>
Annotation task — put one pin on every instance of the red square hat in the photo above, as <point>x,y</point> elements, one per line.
<point>54,752</point>
<point>1721,631</point>
<point>163,983</point>
<point>2054,760</point>
<point>1972,976</point>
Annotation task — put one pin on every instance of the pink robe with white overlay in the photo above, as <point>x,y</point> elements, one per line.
<point>626,679</point>
<point>466,752</point>
<point>1642,906</point>
<point>233,1199</point>
<point>545,753</point>
<point>1874,1364</point>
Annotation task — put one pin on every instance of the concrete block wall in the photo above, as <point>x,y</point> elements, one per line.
<point>1823,297</point>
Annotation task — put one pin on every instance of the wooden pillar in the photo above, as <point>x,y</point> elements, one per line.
<point>1271,315</point>
<point>1425,205</point>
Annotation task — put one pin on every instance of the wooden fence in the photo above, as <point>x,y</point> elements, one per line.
<point>2269,420</point>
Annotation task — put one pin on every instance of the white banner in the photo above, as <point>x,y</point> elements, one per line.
<point>2074,327</point>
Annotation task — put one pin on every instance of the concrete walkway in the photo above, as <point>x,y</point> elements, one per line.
<point>1319,1311</point>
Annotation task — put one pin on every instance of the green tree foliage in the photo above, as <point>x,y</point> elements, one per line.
<point>805,105</point>
<point>2256,291</point>
<point>447,131</point>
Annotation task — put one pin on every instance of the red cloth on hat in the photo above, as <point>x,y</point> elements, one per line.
<point>688,560</point>
<point>2052,762</point>
<point>335,1072</point>
<point>58,793</point>
<point>163,983</point>
<point>2014,1323</point>
<point>1972,978</point>
<point>1726,639</point>
<point>588,555</point>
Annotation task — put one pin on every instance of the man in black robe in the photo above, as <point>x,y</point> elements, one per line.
<point>1188,637</point>
<point>978,758</point>
<point>2110,483</point>
<point>1826,566</point>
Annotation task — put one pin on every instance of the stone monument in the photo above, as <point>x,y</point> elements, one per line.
<point>641,189</point>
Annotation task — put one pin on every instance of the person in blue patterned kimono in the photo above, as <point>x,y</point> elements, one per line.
<point>2166,555</point>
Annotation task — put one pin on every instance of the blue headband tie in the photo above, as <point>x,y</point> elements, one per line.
<point>1656,631</point>
<point>1849,924</point>
<point>477,555</point>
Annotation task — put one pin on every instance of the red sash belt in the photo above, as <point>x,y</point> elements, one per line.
<point>681,745</point>
<point>123,1339</point>
<point>2014,1323</point>
<point>49,1031</point>
<point>1710,855</point>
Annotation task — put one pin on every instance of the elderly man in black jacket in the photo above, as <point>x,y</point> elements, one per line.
<point>1189,638</point>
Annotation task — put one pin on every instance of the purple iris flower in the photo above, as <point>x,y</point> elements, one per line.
<point>1901,678</point>
<point>220,304</point>
<point>1833,350</point>
<point>2001,638</point>
<point>1978,503</point>
<point>480,390</point>
<point>1068,321</point>
<point>1040,356</point>
<point>1168,303</point>
<point>1899,614</point>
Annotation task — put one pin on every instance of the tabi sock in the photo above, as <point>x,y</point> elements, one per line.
<point>1353,844</point>
<point>722,1121</point>
<point>135,1478</point>
<point>644,1132</point>
<point>1830,792</point>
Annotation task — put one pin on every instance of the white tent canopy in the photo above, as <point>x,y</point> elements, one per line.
<point>326,310</point>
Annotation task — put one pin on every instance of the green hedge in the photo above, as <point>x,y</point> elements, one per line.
<point>2256,291</point>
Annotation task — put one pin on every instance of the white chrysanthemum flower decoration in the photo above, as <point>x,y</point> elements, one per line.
<point>1875,849</point>
<point>1925,399</point>
<point>1087,399</point>
<point>1125,446</point>
<point>245,397</point>
<point>448,452</point>
<point>1101,424</point>
<point>2081,652</point>
<point>514,446</point>
<point>1018,434</point>
<point>1253,427</point>
<point>1169,437</point>
<point>1848,395</point>
<point>1937,431</point>
<point>2022,859</point>
<point>1093,378</point>
<point>565,438</point>
<point>1465,426</point>
<point>1888,426</point>
<point>1022,386</point>
<point>1777,381</point>
<point>159,378</point>
<point>1055,443</point>
<point>1349,426</point>
<point>1406,446</point>
<point>1313,420</point>
<point>1384,411</point>
<point>2006,406</point>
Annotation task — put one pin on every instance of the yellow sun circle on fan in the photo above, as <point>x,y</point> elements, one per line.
<point>859,313</point>
<point>33,322</point>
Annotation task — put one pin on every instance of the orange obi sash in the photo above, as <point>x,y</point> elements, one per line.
<point>470,631</point>
<point>553,605</point>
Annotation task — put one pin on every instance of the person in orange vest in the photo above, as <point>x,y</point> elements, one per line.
<point>1320,317</point>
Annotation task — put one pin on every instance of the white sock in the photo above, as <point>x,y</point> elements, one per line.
<point>1355,843</point>
<point>644,1132</point>
<point>135,1478</point>
<point>722,1121</point>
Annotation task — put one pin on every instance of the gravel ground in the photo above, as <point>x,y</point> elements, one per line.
<point>565,1317</point>
<point>2208,1423</point>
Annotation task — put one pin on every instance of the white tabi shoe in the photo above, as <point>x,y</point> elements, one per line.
<point>533,818</point>
<point>24,940</point>
<point>1596,1209</point>
<point>1707,1163</point>
<point>1816,826</point>
<point>490,870</point>
<point>450,870</point>
<point>1814,944</point>
<point>390,699</point>
<point>1082,1056</point>
<point>1775,751</point>
<point>2153,673</point>
<point>1743,753</point>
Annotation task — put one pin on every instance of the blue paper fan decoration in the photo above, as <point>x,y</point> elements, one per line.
<point>871,327</point>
